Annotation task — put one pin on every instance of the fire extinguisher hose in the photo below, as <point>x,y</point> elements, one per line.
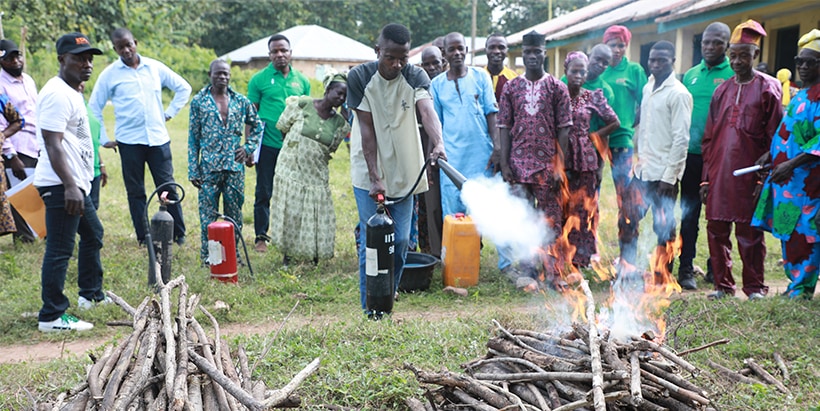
<point>416,184</point>
<point>149,244</point>
<point>454,175</point>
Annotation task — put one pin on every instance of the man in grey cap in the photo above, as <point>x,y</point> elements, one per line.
<point>20,151</point>
<point>63,178</point>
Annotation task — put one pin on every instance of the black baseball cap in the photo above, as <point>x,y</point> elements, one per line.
<point>75,43</point>
<point>7,47</point>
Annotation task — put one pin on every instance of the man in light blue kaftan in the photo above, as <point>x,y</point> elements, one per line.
<point>465,103</point>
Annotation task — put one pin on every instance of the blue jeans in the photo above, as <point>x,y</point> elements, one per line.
<point>265,169</point>
<point>133,158</point>
<point>621,170</point>
<point>62,229</point>
<point>95,192</point>
<point>401,213</point>
<point>663,217</point>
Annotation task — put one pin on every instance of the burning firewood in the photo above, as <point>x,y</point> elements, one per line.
<point>524,370</point>
<point>169,363</point>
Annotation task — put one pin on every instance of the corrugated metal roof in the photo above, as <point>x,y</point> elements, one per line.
<point>561,22</point>
<point>310,42</point>
<point>696,7</point>
<point>633,12</point>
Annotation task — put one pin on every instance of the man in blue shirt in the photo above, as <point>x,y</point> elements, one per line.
<point>134,85</point>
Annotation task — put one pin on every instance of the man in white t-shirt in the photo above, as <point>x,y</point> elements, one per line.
<point>385,147</point>
<point>63,177</point>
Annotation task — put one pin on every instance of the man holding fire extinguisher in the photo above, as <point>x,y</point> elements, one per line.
<point>216,153</point>
<point>386,154</point>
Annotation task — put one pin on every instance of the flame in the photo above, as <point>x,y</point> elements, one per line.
<point>630,301</point>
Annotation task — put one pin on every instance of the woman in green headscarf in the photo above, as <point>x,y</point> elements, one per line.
<point>303,223</point>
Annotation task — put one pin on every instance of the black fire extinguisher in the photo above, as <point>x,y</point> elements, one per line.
<point>379,265</point>
<point>162,235</point>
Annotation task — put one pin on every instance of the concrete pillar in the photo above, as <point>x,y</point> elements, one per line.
<point>679,47</point>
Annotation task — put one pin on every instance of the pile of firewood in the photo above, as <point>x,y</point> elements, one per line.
<point>169,363</point>
<point>561,371</point>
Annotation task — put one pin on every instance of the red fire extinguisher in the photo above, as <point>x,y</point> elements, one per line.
<point>379,266</point>
<point>222,251</point>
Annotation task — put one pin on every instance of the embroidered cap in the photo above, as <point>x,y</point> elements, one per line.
<point>75,43</point>
<point>748,32</point>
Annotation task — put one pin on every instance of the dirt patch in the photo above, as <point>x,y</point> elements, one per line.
<point>51,350</point>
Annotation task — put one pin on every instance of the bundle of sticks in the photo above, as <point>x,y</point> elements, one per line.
<point>169,363</point>
<point>754,373</point>
<point>561,371</point>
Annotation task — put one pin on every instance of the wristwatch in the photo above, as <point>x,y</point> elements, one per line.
<point>9,156</point>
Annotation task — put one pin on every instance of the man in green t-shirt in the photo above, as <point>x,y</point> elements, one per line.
<point>701,81</point>
<point>627,80</point>
<point>268,90</point>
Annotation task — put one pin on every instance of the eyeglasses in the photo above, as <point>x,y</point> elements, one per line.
<point>809,61</point>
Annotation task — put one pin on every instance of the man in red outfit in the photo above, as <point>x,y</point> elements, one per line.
<point>743,117</point>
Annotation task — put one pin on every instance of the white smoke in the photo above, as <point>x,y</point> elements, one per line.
<point>510,222</point>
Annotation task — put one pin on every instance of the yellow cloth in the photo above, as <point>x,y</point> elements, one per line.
<point>810,40</point>
<point>783,76</point>
<point>748,32</point>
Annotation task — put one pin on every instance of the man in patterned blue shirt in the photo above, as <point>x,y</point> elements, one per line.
<point>216,154</point>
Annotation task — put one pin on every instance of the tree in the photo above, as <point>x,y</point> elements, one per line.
<point>426,20</point>
<point>179,23</point>
<point>517,15</point>
<point>240,23</point>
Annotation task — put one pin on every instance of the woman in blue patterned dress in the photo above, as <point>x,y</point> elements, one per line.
<point>790,200</point>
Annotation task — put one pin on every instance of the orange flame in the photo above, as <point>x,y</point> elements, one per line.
<point>659,283</point>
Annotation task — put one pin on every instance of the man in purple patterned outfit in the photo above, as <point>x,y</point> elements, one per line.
<point>534,119</point>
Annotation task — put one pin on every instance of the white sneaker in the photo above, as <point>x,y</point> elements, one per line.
<point>65,323</point>
<point>86,304</point>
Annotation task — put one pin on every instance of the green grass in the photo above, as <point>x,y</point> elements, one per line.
<point>362,360</point>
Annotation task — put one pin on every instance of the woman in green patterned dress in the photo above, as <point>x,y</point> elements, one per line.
<point>303,222</point>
